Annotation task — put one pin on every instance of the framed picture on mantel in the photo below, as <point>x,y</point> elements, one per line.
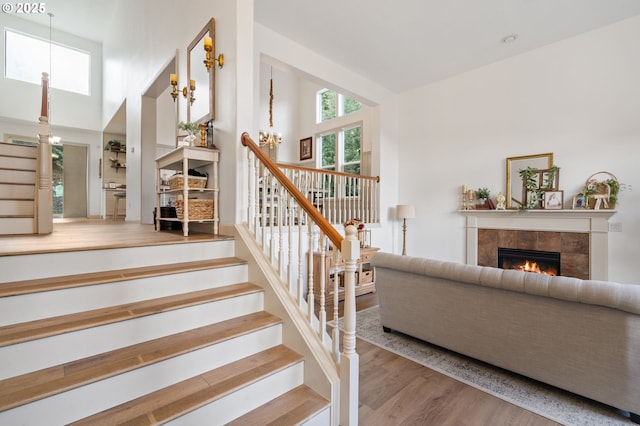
<point>553,200</point>
<point>306,148</point>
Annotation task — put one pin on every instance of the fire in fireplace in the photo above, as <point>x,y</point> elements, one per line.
<point>541,262</point>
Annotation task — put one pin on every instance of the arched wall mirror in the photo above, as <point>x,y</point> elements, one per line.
<point>203,108</point>
<point>515,196</point>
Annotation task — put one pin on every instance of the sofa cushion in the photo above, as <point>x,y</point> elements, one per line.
<point>625,297</point>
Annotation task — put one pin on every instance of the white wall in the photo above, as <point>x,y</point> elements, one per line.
<point>318,70</point>
<point>579,98</point>
<point>67,109</point>
<point>285,109</point>
<point>75,118</point>
<point>149,32</point>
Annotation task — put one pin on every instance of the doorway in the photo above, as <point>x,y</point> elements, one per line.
<point>69,175</point>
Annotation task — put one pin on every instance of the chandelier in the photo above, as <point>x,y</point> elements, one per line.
<point>270,138</point>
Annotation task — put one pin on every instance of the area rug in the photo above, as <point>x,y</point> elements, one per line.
<point>555,404</point>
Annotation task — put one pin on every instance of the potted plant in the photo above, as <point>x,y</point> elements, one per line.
<point>191,129</point>
<point>482,194</point>
<point>113,145</point>
<point>610,186</point>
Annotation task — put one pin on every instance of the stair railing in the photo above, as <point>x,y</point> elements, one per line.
<point>289,228</point>
<point>339,196</point>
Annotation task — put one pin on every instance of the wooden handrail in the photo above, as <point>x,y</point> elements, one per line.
<point>302,201</point>
<point>328,172</point>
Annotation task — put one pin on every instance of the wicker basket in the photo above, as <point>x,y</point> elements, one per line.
<point>600,189</point>
<point>195,182</point>
<point>199,209</point>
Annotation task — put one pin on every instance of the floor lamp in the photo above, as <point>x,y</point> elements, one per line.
<point>404,212</point>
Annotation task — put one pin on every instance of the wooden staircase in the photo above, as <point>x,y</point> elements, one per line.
<point>17,189</point>
<point>186,343</point>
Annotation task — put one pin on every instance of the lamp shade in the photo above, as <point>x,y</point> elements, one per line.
<point>405,211</point>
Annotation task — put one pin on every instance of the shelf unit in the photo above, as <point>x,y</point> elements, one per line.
<point>114,181</point>
<point>181,159</point>
<point>365,275</point>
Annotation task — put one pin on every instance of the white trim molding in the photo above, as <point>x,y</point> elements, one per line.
<point>593,222</point>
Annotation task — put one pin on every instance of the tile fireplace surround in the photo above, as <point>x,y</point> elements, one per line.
<point>581,236</point>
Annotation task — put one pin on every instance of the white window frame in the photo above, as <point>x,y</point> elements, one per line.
<point>339,107</point>
<point>49,44</point>
<point>339,132</point>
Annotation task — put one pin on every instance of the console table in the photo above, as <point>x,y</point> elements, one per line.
<point>365,275</point>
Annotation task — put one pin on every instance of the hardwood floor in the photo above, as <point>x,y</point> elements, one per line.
<point>397,391</point>
<point>87,234</point>
<point>393,389</point>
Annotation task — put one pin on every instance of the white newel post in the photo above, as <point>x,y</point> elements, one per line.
<point>349,368</point>
<point>44,201</point>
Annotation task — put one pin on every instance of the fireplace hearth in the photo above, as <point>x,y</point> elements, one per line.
<point>541,262</point>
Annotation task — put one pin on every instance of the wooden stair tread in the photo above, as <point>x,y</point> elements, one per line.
<point>291,408</point>
<point>30,387</point>
<point>22,332</point>
<point>176,400</point>
<point>79,280</point>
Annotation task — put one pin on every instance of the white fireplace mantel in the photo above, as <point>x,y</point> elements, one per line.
<point>593,222</point>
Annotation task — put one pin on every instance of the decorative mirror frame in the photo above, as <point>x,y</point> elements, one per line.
<point>199,53</point>
<point>515,198</point>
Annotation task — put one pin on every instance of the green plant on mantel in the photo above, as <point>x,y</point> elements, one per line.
<point>549,177</point>
<point>483,193</point>
<point>535,181</point>
<point>594,186</point>
<point>530,182</point>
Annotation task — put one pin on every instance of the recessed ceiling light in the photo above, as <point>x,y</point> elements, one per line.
<point>510,38</point>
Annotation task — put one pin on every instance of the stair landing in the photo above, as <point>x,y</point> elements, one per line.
<point>94,234</point>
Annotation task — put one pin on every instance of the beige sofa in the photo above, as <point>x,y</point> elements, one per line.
<point>579,335</point>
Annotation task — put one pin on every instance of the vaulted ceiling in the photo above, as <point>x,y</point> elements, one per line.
<point>402,44</point>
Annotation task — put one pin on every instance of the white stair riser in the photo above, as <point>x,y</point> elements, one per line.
<point>13,226</point>
<point>30,307</point>
<point>16,150</point>
<point>17,163</point>
<point>16,208</point>
<point>17,176</point>
<point>17,192</point>
<point>42,353</point>
<point>236,404</point>
<point>323,418</point>
<point>18,268</point>
<point>93,398</point>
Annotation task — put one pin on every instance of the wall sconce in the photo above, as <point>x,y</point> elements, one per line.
<point>185,91</point>
<point>208,48</point>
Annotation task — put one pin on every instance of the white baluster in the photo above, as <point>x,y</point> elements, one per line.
<point>349,374</point>
<point>310,299</point>
<point>322,313</point>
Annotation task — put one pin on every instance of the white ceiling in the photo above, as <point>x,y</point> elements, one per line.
<point>400,44</point>
<point>404,44</point>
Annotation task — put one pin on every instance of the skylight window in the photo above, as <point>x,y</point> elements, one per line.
<point>27,57</point>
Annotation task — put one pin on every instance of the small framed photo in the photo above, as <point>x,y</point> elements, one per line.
<point>553,200</point>
<point>579,202</point>
<point>306,148</point>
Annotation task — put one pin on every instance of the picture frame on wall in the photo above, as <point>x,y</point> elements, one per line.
<point>306,148</point>
<point>553,200</point>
